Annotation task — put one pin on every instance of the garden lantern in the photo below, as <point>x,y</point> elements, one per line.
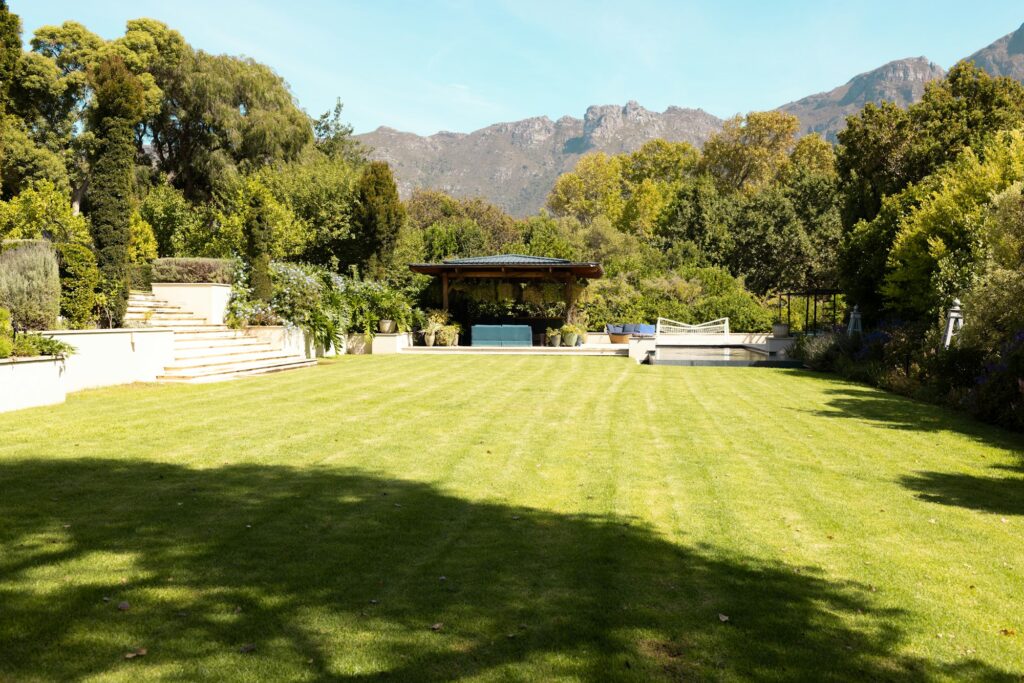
<point>954,321</point>
<point>854,327</point>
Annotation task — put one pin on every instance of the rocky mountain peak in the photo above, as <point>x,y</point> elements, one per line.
<point>901,81</point>
<point>1005,57</point>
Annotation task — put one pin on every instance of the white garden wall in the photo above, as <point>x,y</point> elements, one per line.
<point>30,382</point>
<point>288,339</point>
<point>205,300</point>
<point>106,357</point>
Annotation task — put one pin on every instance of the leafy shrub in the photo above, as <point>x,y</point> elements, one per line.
<point>79,278</point>
<point>28,345</point>
<point>142,247</point>
<point>194,270</point>
<point>30,285</point>
<point>304,296</point>
<point>6,333</point>
<point>140,276</point>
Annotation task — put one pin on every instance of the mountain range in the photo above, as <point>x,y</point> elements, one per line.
<point>515,164</point>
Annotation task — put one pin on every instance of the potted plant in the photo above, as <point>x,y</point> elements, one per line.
<point>554,336</point>
<point>780,329</point>
<point>430,330</point>
<point>393,311</point>
<point>571,334</point>
<point>435,319</point>
<point>449,334</point>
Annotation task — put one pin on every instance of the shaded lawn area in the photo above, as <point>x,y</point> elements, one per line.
<point>513,519</point>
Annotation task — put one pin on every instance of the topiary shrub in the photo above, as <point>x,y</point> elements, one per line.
<point>30,285</point>
<point>193,270</point>
<point>140,276</point>
<point>79,278</point>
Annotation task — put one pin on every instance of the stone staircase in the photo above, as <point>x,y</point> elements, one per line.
<point>208,353</point>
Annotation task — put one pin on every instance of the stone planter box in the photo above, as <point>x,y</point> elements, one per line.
<point>31,382</point>
<point>291,340</point>
<point>205,300</point>
<point>358,344</point>
<point>391,343</point>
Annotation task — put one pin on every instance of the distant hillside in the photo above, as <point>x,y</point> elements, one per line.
<point>515,164</point>
<point>901,81</point>
<point>1005,57</point>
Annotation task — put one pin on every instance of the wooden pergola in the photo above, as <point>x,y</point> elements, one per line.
<point>511,268</point>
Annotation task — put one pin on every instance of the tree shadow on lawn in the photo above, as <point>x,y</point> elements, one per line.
<point>999,494</point>
<point>337,575</point>
<point>857,401</point>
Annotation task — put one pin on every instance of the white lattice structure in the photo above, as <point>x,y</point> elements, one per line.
<point>672,327</point>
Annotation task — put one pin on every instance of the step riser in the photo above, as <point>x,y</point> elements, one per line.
<point>213,345</point>
<point>221,351</point>
<point>215,375</point>
<point>226,363</point>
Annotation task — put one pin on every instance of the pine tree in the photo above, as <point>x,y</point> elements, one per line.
<point>111,195</point>
<point>259,237</point>
<point>378,216</point>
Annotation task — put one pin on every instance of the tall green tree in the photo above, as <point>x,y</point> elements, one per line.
<point>377,217</point>
<point>259,239</point>
<point>749,152</point>
<point>117,108</point>
<point>10,50</point>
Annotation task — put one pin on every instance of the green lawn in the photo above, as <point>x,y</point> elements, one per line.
<point>579,519</point>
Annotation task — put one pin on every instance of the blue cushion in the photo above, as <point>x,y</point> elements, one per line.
<point>645,329</point>
<point>613,329</point>
<point>629,329</point>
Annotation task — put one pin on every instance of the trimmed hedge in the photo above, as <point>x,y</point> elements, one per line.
<point>193,270</point>
<point>30,284</point>
<point>140,276</point>
<point>79,278</point>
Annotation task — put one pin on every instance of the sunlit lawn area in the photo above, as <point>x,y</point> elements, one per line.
<point>509,518</point>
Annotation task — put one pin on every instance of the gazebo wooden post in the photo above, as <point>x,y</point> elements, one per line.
<point>570,302</point>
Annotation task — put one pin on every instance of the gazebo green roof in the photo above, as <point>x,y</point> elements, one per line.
<point>510,266</point>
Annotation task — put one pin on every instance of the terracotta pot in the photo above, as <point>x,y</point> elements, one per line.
<point>618,338</point>
<point>569,339</point>
<point>428,338</point>
<point>386,326</point>
<point>554,339</point>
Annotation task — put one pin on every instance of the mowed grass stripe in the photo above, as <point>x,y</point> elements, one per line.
<point>591,519</point>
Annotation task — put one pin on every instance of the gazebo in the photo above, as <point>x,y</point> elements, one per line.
<point>512,268</point>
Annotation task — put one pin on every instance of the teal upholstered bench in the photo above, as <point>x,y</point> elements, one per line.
<point>502,335</point>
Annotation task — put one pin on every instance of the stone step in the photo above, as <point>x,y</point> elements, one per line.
<point>227,372</point>
<point>172,324</point>
<point>228,360</point>
<point>149,303</point>
<point>154,310</point>
<point>163,315</point>
<point>240,348</point>
<point>214,342</point>
<point>200,330</point>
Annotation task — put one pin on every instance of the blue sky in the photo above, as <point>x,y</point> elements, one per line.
<point>424,66</point>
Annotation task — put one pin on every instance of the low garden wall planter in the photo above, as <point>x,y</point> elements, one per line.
<point>31,382</point>
<point>391,343</point>
<point>358,344</point>
<point>289,339</point>
<point>204,300</point>
<point>103,358</point>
